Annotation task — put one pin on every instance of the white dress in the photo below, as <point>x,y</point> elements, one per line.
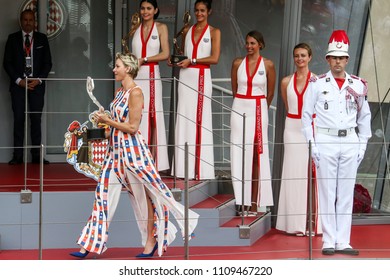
<point>251,100</point>
<point>194,117</point>
<point>293,198</point>
<point>152,124</point>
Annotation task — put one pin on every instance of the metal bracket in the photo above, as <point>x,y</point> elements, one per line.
<point>177,193</point>
<point>244,232</point>
<point>25,196</point>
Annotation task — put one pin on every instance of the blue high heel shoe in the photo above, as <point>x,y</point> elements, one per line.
<point>142,255</point>
<point>79,254</point>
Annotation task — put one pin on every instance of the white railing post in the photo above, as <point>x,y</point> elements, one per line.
<point>186,202</point>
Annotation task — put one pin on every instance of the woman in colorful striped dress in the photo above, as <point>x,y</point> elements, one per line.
<point>150,45</point>
<point>129,164</point>
<point>293,199</point>
<point>194,118</point>
<point>253,84</point>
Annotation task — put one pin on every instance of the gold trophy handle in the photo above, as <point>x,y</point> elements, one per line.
<point>135,23</point>
<point>186,18</point>
<point>186,21</point>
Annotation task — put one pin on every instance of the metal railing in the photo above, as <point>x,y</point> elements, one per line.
<point>225,95</point>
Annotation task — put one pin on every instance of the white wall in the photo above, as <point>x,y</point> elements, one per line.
<point>376,69</point>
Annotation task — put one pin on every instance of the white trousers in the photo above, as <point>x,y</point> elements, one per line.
<point>336,176</point>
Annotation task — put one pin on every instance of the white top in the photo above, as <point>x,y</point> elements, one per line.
<point>337,108</point>
<point>145,47</point>
<point>204,44</point>
<point>255,85</point>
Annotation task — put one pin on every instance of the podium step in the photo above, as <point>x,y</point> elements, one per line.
<point>66,205</point>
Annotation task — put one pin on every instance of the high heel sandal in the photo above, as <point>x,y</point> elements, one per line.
<point>79,254</point>
<point>142,255</point>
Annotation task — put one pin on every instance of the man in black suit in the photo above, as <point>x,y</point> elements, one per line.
<point>27,54</point>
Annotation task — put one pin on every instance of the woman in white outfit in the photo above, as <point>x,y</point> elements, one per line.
<point>150,45</point>
<point>293,204</point>
<point>253,85</point>
<point>194,117</point>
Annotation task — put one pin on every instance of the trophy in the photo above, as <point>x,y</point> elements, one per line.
<point>135,22</point>
<point>96,132</point>
<point>178,41</point>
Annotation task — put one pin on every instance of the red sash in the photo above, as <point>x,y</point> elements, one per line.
<point>152,121</point>
<point>199,115</point>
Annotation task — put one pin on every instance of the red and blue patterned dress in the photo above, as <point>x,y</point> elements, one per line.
<point>129,164</point>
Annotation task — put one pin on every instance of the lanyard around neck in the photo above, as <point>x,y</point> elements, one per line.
<point>27,49</point>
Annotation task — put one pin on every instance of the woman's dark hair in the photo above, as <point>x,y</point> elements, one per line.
<point>303,46</point>
<point>154,4</point>
<point>206,2</point>
<point>258,37</point>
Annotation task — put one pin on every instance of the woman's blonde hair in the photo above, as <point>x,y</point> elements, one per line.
<point>129,60</point>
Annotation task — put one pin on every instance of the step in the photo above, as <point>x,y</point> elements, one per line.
<point>19,228</point>
<point>220,210</point>
<point>214,201</point>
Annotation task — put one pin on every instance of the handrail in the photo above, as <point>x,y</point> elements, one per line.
<point>216,87</point>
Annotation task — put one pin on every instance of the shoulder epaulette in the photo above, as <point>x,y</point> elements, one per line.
<point>355,77</point>
<point>321,76</point>
<point>315,78</point>
<point>364,82</point>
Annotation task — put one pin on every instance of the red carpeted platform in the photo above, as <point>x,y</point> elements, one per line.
<point>373,241</point>
<point>57,177</point>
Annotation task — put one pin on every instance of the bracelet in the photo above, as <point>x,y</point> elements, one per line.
<point>193,61</point>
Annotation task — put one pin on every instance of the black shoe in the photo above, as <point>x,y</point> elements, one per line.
<point>15,161</point>
<point>328,251</point>
<point>38,160</point>
<point>348,251</point>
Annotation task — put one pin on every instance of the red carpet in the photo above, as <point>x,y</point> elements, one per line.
<point>57,177</point>
<point>373,241</point>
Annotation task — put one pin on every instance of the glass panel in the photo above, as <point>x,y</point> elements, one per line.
<point>84,47</point>
<point>321,17</point>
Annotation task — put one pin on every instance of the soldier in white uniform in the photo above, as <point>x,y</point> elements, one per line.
<point>342,130</point>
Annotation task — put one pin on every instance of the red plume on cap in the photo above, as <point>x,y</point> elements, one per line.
<point>339,36</point>
<point>338,44</point>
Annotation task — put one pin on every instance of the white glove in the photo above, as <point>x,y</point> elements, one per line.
<point>315,154</point>
<point>362,149</point>
<point>360,155</point>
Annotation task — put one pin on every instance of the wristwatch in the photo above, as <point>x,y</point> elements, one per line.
<point>145,60</point>
<point>193,61</point>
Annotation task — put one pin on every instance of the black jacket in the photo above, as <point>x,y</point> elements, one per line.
<point>14,57</point>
